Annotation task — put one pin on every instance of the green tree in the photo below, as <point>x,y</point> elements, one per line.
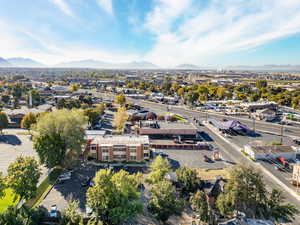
<point>73,88</point>
<point>180,92</point>
<point>188,178</point>
<point>23,175</point>
<point>159,168</point>
<point>93,114</point>
<point>115,197</point>
<point>28,120</point>
<point>3,121</point>
<point>261,84</point>
<point>163,201</point>
<point>120,118</point>
<point>200,205</point>
<point>254,97</point>
<point>2,185</point>
<point>59,131</point>
<point>245,192</point>
<point>17,91</point>
<point>71,214</point>
<point>94,221</point>
<point>5,98</point>
<point>120,99</point>
<point>20,216</point>
<point>277,209</point>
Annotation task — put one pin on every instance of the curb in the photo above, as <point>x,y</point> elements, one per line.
<point>268,173</point>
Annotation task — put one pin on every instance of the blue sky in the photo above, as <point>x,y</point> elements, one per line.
<point>164,32</point>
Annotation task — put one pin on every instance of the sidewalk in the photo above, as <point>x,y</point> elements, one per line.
<point>254,164</point>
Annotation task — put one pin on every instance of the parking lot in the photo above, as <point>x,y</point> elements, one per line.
<point>76,188</point>
<point>14,143</point>
<point>194,159</point>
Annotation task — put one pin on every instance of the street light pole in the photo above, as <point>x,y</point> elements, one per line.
<point>281,134</point>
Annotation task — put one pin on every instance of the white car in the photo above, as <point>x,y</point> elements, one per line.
<point>53,211</point>
<point>88,211</point>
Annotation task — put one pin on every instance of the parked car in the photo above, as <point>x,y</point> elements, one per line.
<point>88,211</point>
<point>207,159</point>
<point>91,183</point>
<point>85,183</point>
<point>296,141</point>
<point>53,211</point>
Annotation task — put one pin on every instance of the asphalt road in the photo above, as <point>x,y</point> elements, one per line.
<point>225,148</point>
<point>257,125</point>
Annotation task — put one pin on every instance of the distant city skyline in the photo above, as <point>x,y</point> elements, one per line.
<point>166,33</point>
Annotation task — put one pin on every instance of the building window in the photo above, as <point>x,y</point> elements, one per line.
<point>120,148</point>
<point>93,148</point>
<point>132,149</point>
<point>120,157</point>
<point>146,155</point>
<point>104,149</point>
<point>105,158</point>
<point>132,158</point>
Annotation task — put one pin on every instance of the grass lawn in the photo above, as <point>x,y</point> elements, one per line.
<point>7,200</point>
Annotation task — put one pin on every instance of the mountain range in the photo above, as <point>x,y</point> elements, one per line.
<point>19,62</point>
<point>91,63</point>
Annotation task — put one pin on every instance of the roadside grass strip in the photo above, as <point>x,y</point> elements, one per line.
<point>44,188</point>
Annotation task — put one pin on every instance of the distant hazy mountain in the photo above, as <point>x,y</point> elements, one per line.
<point>271,67</point>
<point>139,65</point>
<point>4,63</point>
<point>187,66</point>
<point>24,62</point>
<point>90,63</point>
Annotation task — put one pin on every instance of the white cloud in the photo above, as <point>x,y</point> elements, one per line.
<point>106,5</point>
<point>50,52</point>
<point>221,27</point>
<point>63,6</point>
<point>164,13</point>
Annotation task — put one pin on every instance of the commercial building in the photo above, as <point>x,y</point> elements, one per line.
<point>296,174</point>
<point>167,129</point>
<point>258,151</point>
<point>118,148</point>
<point>253,106</point>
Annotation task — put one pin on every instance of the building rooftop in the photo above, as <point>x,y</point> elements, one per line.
<point>121,140</point>
<point>159,127</point>
<point>271,149</point>
<point>92,134</point>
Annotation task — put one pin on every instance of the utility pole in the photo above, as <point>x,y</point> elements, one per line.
<point>281,134</point>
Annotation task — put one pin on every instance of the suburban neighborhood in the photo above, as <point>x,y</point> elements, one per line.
<point>146,147</point>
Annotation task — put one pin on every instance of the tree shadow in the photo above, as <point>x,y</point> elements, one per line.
<point>174,164</point>
<point>74,189</point>
<point>10,139</point>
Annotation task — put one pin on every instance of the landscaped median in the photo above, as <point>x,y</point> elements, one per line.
<point>44,188</point>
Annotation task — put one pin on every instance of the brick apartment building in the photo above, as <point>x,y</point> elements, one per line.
<point>118,148</point>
